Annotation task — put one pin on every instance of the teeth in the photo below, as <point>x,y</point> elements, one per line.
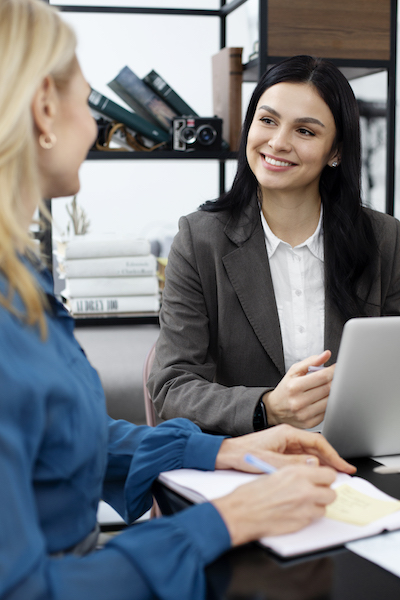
<point>277,163</point>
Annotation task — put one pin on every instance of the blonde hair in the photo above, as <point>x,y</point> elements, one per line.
<point>34,43</point>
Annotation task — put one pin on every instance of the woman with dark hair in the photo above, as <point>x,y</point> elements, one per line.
<point>260,282</point>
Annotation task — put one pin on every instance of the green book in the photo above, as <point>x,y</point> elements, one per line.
<point>165,91</point>
<point>135,122</point>
<point>142,99</point>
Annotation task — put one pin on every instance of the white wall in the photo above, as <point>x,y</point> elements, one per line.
<point>148,197</point>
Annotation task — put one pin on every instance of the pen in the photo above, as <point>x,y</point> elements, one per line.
<point>260,464</point>
<point>312,369</point>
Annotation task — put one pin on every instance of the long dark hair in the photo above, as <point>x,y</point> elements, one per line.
<point>350,245</point>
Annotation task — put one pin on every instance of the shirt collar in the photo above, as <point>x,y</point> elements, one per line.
<point>315,243</point>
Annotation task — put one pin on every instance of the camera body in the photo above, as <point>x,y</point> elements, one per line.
<point>196,133</point>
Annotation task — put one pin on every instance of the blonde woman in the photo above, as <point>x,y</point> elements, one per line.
<point>59,452</point>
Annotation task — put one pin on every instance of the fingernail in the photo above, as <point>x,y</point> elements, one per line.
<point>311,461</point>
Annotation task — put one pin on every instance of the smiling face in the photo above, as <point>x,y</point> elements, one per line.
<point>291,139</point>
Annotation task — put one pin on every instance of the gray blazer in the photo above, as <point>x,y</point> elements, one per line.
<point>220,346</point>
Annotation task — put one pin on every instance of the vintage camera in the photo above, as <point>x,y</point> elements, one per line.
<point>192,134</point>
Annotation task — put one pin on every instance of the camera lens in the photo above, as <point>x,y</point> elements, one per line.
<point>188,135</point>
<point>206,135</point>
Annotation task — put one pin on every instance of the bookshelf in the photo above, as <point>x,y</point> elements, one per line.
<point>358,36</point>
<point>220,157</point>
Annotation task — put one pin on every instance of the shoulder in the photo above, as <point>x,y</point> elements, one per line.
<point>201,220</point>
<point>384,225</point>
<point>387,234</point>
<point>201,231</point>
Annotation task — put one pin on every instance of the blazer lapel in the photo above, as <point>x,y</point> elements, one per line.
<point>248,270</point>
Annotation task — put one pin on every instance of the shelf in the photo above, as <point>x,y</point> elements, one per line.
<point>351,69</point>
<point>116,319</point>
<point>160,155</point>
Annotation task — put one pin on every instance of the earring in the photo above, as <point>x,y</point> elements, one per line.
<point>334,164</point>
<point>47,140</point>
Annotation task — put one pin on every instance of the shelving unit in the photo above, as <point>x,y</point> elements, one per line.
<point>358,36</point>
<point>221,14</point>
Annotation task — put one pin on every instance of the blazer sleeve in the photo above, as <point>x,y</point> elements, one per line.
<point>182,380</point>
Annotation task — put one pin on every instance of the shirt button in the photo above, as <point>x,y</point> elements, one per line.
<point>298,292</point>
<point>301,329</point>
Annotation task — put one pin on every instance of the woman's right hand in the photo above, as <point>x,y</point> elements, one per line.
<point>283,502</point>
<point>301,397</point>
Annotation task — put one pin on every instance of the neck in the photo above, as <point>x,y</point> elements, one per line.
<point>27,210</point>
<point>292,220</point>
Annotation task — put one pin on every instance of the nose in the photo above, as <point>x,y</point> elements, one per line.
<point>280,140</point>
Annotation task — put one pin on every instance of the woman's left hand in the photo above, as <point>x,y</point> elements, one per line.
<point>280,446</point>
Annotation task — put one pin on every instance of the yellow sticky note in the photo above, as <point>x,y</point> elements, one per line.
<point>357,508</point>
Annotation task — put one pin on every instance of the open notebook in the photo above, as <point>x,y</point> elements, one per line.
<point>361,510</point>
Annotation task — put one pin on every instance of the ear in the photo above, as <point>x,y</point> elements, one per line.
<point>335,157</point>
<point>44,106</point>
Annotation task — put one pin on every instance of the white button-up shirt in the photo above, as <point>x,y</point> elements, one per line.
<point>298,280</point>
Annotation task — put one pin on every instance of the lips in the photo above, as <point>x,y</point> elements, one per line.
<point>277,163</point>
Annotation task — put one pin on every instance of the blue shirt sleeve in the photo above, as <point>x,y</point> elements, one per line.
<point>137,455</point>
<point>164,558</point>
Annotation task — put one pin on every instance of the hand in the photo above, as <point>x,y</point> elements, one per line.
<point>276,504</point>
<point>281,445</point>
<point>300,398</point>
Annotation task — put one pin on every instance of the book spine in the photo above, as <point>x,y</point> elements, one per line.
<point>106,286</point>
<point>227,75</point>
<point>84,248</point>
<point>165,91</point>
<point>120,266</point>
<point>111,109</point>
<point>142,98</point>
<point>114,304</point>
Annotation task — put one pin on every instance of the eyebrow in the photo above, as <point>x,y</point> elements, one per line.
<point>300,120</point>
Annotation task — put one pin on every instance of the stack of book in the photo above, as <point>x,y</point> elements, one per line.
<point>154,102</point>
<point>111,275</point>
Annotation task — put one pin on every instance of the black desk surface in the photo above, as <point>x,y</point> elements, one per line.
<point>252,572</point>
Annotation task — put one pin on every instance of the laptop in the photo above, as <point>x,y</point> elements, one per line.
<point>363,413</point>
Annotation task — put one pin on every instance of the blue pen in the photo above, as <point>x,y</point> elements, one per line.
<point>313,369</point>
<point>260,464</point>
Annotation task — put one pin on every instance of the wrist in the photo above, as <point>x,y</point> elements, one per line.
<point>229,454</point>
<point>271,418</point>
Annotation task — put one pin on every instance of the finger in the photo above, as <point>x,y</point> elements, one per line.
<point>323,476</point>
<point>282,460</point>
<point>311,412</point>
<point>319,378</point>
<point>318,445</point>
<point>309,389</point>
<point>324,496</point>
<point>317,360</point>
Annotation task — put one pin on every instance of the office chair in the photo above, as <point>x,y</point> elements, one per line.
<point>148,404</point>
<point>150,412</point>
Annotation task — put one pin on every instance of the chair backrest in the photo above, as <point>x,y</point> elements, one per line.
<point>148,404</point>
<point>150,412</point>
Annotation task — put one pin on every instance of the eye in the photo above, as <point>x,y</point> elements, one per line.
<point>306,132</point>
<point>267,120</point>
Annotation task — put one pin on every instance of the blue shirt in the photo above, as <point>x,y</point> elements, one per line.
<point>60,452</point>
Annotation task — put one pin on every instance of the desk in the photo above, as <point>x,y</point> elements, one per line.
<point>252,572</point>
